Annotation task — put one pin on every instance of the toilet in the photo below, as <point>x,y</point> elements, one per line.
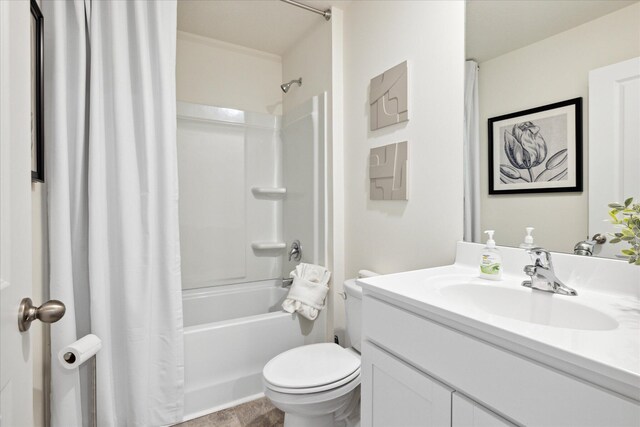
<point>318,385</point>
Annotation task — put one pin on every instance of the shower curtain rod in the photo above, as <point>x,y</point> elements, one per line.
<point>325,13</point>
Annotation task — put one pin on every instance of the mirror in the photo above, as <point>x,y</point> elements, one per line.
<point>534,53</point>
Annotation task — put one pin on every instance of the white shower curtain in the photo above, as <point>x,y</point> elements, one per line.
<point>114,181</point>
<point>471,149</point>
<point>65,85</point>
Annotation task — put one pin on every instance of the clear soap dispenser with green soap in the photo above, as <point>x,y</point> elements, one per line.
<point>491,260</point>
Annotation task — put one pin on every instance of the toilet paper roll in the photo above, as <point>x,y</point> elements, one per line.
<point>80,351</point>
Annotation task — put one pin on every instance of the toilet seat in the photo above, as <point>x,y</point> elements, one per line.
<point>318,389</point>
<point>311,369</point>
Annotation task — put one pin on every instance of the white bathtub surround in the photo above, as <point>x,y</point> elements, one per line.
<point>304,150</point>
<point>308,291</point>
<point>223,154</point>
<point>121,244</point>
<point>269,172</point>
<point>501,344</point>
<point>248,188</point>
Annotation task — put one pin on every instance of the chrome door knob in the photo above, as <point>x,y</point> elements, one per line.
<point>49,312</point>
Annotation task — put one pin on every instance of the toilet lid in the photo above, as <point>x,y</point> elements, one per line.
<point>348,383</point>
<point>311,366</point>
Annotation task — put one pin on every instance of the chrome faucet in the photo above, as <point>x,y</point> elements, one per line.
<point>543,277</point>
<point>586,247</point>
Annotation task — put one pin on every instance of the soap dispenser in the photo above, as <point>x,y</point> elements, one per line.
<point>528,239</point>
<point>491,260</point>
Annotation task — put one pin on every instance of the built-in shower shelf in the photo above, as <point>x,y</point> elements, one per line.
<point>269,192</point>
<point>268,246</point>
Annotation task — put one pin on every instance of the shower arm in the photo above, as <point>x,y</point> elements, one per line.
<point>325,13</point>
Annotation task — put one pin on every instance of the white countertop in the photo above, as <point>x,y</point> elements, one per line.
<point>609,358</point>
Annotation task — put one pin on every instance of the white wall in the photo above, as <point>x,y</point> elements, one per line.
<point>391,236</point>
<point>551,70</point>
<point>309,58</point>
<point>213,72</point>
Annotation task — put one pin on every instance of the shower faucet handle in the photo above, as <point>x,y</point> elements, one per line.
<point>295,252</point>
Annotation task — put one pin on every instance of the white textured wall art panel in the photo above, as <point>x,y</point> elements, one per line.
<point>388,172</point>
<point>388,97</point>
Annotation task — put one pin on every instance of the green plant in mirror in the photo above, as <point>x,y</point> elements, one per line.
<point>627,217</point>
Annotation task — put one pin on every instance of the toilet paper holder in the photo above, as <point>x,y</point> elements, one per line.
<point>49,312</point>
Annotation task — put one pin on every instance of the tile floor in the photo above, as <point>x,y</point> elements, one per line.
<point>257,413</point>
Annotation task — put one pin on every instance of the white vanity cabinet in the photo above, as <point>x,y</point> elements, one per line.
<point>417,370</point>
<point>467,413</point>
<point>396,394</point>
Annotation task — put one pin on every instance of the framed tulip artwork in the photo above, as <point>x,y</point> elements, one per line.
<point>537,150</point>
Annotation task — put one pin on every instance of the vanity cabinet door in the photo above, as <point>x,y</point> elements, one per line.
<point>467,413</point>
<point>396,395</point>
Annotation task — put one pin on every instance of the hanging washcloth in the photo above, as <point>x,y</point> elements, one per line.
<point>308,290</point>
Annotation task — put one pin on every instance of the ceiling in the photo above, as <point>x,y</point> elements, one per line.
<point>266,25</point>
<point>495,27</point>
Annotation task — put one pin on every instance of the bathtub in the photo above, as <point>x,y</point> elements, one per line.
<point>230,333</point>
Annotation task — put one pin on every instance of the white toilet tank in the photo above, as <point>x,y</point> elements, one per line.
<point>353,309</point>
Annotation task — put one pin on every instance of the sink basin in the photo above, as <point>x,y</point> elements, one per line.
<point>542,308</point>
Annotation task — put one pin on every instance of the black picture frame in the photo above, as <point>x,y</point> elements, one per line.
<point>37,95</point>
<point>520,139</point>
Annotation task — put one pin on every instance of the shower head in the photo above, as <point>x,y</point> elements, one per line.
<point>286,86</point>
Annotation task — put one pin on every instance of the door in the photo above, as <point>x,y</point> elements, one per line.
<point>614,144</point>
<point>16,372</point>
<point>395,394</point>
